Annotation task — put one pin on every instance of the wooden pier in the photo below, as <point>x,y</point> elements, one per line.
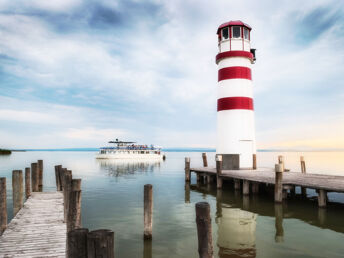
<point>38,229</point>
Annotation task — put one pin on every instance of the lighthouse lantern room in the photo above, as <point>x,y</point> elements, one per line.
<point>235,115</point>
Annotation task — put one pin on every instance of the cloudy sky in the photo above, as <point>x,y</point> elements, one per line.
<point>78,73</point>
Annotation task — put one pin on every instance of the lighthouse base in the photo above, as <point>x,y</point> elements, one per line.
<point>230,161</point>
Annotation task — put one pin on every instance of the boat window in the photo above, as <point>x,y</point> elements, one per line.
<point>142,152</point>
<point>236,32</point>
<point>225,33</point>
<point>246,33</point>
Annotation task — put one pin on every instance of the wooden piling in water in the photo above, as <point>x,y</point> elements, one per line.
<point>148,211</point>
<point>187,170</point>
<point>255,188</point>
<point>27,183</point>
<point>254,165</point>
<point>74,210</point>
<point>67,187</point>
<point>219,180</point>
<point>18,191</point>
<point>77,243</point>
<point>278,183</point>
<point>58,169</point>
<point>303,165</point>
<point>322,198</point>
<point>204,233</point>
<point>205,161</point>
<point>34,177</point>
<point>100,243</point>
<point>246,187</point>
<point>40,175</point>
<point>3,205</point>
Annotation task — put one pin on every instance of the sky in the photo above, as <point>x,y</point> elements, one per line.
<point>79,73</point>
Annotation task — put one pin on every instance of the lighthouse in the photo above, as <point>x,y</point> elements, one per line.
<point>235,113</point>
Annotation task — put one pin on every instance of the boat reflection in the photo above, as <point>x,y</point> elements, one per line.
<point>118,168</point>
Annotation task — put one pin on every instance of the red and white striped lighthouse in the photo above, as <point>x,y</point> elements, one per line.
<point>235,115</point>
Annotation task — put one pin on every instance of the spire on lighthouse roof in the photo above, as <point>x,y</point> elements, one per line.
<point>233,23</point>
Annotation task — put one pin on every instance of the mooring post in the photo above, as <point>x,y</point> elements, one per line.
<point>18,191</point>
<point>322,197</point>
<point>246,187</point>
<point>187,170</point>
<point>219,179</point>
<point>205,161</point>
<point>236,184</point>
<point>40,175</point>
<point>148,211</point>
<point>279,223</point>
<point>58,177</point>
<point>281,161</point>
<point>34,177</point>
<point>100,243</point>
<point>303,165</point>
<point>74,210</point>
<point>255,188</point>
<point>254,165</point>
<point>278,183</point>
<point>3,205</point>
<point>77,243</point>
<point>66,191</point>
<point>27,183</point>
<point>203,220</point>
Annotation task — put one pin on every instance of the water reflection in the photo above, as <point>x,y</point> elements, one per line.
<point>117,168</point>
<point>279,223</point>
<point>147,248</point>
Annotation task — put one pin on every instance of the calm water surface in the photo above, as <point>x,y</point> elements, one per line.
<point>112,198</point>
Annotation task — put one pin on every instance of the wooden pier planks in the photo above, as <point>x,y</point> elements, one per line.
<point>266,175</point>
<point>38,229</point>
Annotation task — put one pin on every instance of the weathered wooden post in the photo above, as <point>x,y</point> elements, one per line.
<point>34,177</point>
<point>246,187</point>
<point>278,183</point>
<point>205,161</point>
<point>77,243</point>
<point>281,161</point>
<point>187,169</point>
<point>58,169</point>
<point>203,220</point>
<point>66,191</point>
<point>148,211</point>
<point>279,223</point>
<point>18,191</point>
<point>27,183</point>
<point>219,179</point>
<point>74,210</point>
<point>254,165</point>
<point>187,192</point>
<point>303,165</point>
<point>322,197</point>
<point>236,184</point>
<point>100,243</point>
<point>3,205</point>
<point>40,175</point>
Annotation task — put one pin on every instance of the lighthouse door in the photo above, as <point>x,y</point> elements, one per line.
<point>246,154</point>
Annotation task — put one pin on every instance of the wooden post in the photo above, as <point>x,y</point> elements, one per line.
<point>34,177</point>
<point>66,191</point>
<point>303,165</point>
<point>18,191</point>
<point>3,205</point>
<point>246,187</point>
<point>236,184</point>
<point>281,161</point>
<point>77,243</point>
<point>100,243</point>
<point>187,170</point>
<point>203,220</point>
<point>27,183</point>
<point>148,211</point>
<point>40,175</point>
<point>255,188</point>
<point>58,170</point>
<point>279,223</point>
<point>198,177</point>
<point>187,192</point>
<point>322,197</point>
<point>278,183</point>
<point>205,161</point>
<point>74,210</point>
<point>254,165</point>
<point>76,184</point>
<point>147,248</point>
<point>219,180</point>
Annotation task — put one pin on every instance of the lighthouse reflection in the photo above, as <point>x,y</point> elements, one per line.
<point>118,168</point>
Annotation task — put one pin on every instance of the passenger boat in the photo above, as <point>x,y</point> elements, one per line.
<point>130,150</point>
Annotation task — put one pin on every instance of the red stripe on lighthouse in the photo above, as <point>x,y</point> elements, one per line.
<point>234,72</point>
<point>235,53</point>
<point>234,103</point>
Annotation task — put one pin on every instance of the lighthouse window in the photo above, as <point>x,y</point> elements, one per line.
<point>225,33</point>
<point>246,33</point>
<point>236,32</point>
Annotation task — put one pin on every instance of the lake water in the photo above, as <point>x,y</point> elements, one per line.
<point>112,198</point>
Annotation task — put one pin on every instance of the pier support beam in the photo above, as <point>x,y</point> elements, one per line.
<point>205,161</point>
<point>219,180</point>
<point>3,205</point>
<point>148,211</point>
<point>236,184</point>
<point>203,220</point>
<point>255,188</point>
<point>303,171</point>
<point>246,187</point>
<point>18,191</point>
<point>67,187</point>
<point>322,197</point>
<point>187,170</point>
<point>278,183</point>
<point>27,183</point>
<point>77,243</point>
<point>58,177</point>
<point>40,175</point>
<point>34,177</point>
